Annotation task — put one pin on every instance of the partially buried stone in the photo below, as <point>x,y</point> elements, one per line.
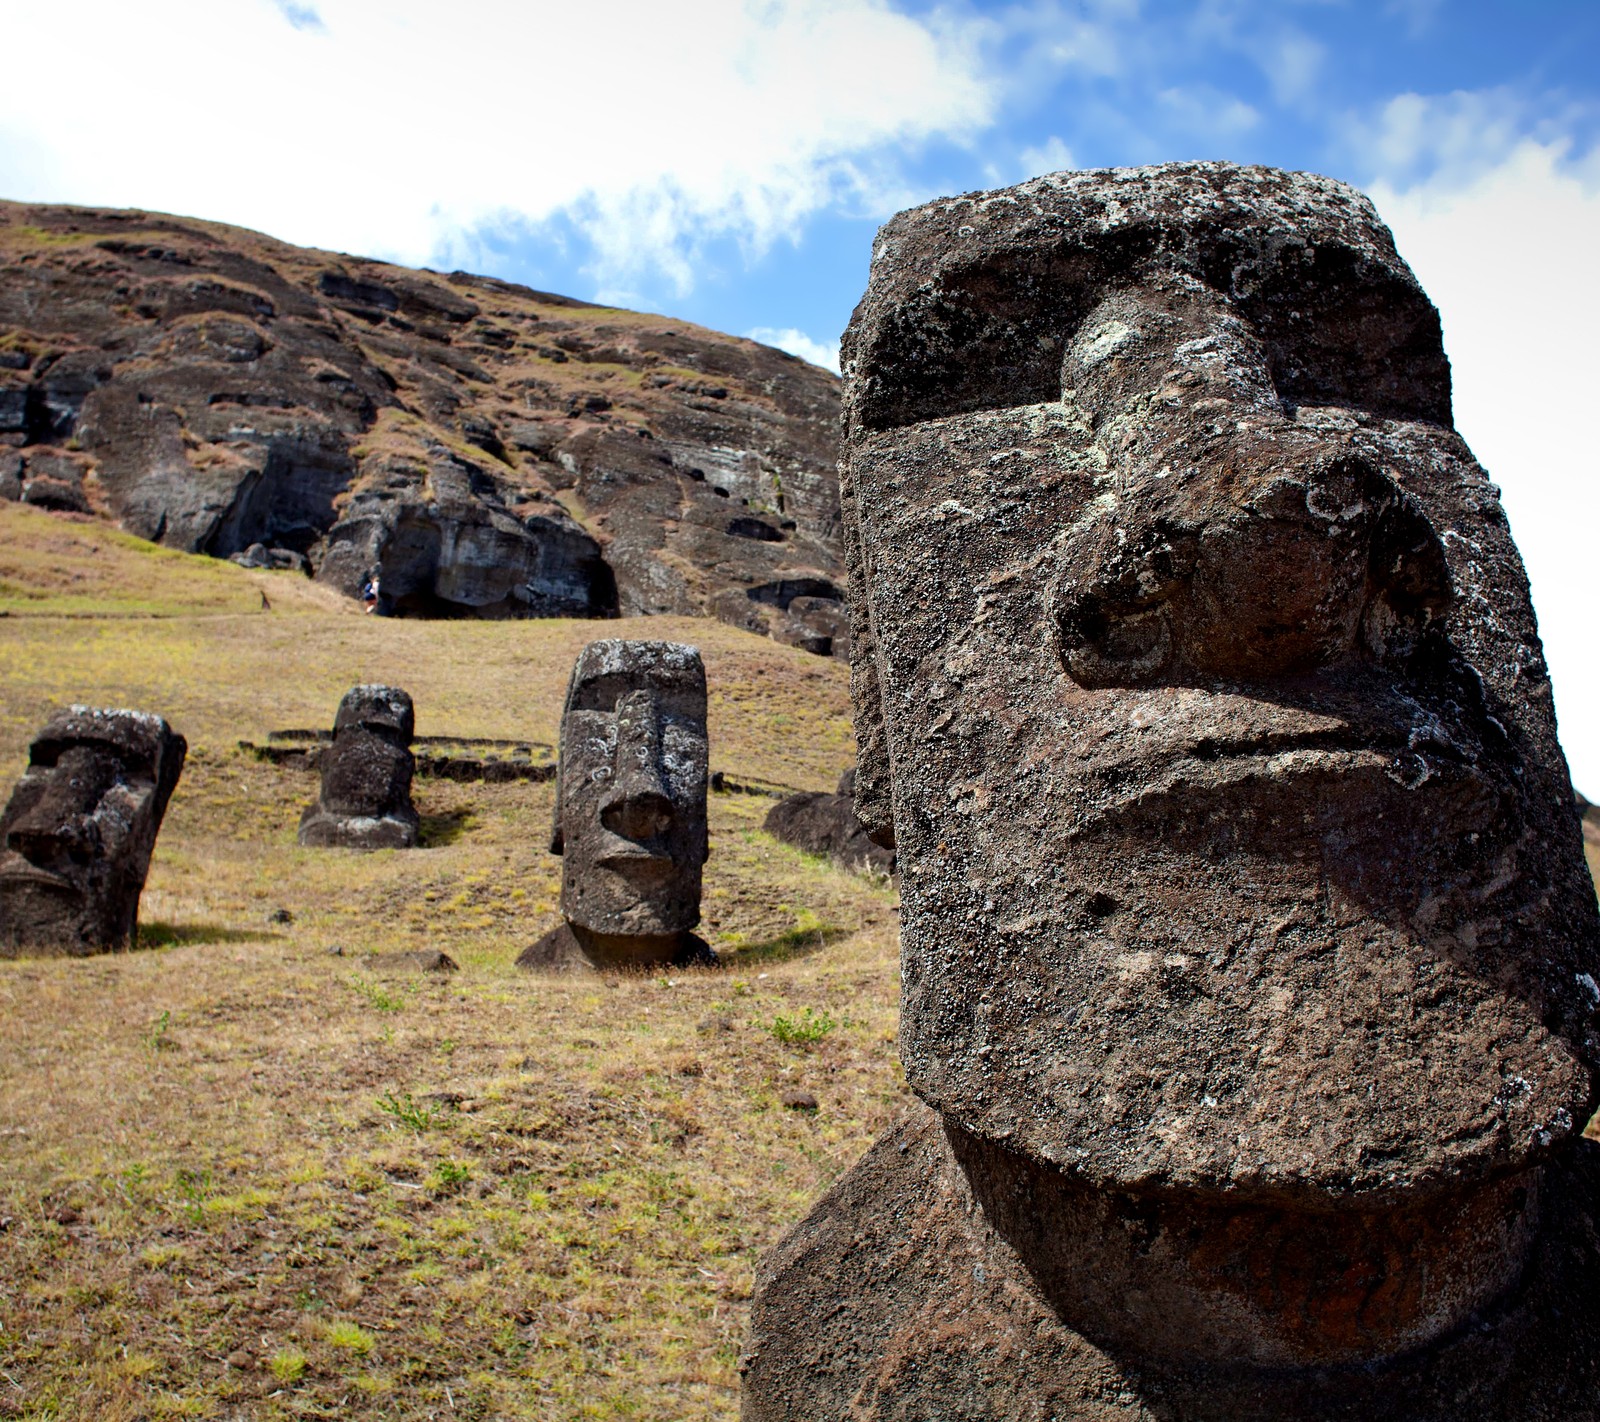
<point>78,833</point>
<point>828,825</point>
<point>1249,956</point>
<point>630,820</point>
<point>365,797</point>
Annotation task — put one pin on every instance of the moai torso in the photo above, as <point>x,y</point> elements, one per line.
<point>364,801</point>
<point>1249,954</point>
<point>78,833</point>
<point>630,820</point>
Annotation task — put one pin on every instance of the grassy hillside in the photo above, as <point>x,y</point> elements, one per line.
<point>248,1174</point>
<point>244,1174</point>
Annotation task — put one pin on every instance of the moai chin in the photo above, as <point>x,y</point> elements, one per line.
<point>1249,955</point>
<point>364,801</point>
<point>630,819</point>
<point>77,835</point>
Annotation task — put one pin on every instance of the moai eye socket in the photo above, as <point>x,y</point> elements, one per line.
<point>603,693</point>
<point>988,335</point>
<point>1337,330</point>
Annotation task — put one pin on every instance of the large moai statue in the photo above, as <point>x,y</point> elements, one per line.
<point>77,835</point>
<point>630,820</point>
<point>1249,955</point>
<point>365,798</point>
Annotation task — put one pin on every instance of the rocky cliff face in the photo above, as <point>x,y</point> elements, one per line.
<point>481,449</point>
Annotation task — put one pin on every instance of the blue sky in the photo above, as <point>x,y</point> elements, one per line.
<point>728,161</point>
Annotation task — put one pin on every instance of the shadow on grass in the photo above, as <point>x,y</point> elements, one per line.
<point>795,943</point>
<point>181,935</point>
<point>447,827</point>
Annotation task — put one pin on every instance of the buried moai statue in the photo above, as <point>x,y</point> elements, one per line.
<point>77,835</point>
<point>365,798</point>
<point>630,819</point>
<point>1249,955</point>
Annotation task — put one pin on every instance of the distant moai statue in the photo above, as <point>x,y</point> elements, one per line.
<point>630,819</point>
<point>1249,954</point>
<point>365,798</point>
<point>77,835</point>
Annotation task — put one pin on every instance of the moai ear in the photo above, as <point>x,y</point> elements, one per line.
<point>873,787</point>
<point>558,840</point>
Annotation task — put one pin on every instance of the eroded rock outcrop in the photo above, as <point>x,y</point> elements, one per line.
<point>825,824</point>
<point>1249,956</point>
<point>630,820</point>
<point>364,801</point>
<point>478,448</point>
<point>77,835</point>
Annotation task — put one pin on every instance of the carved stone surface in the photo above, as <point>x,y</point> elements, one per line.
<point>77,835</point>
<point>631,805</point>
<point>898,1297</point>
<point>365,799</point>
<point>1248,948</point>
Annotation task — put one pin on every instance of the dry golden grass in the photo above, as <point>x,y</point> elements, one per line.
<point>244,1176</point>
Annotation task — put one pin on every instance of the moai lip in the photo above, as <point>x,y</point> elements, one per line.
<point>630,819</point>
<point>78,833</point>
<point>1237,849</point>
<point>364,801</point>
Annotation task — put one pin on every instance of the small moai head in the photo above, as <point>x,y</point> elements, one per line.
<point>630,820</point>
<point>365,797</point>
<point>77,835</point>
<point>1198,685</point>
<point>368,770</point>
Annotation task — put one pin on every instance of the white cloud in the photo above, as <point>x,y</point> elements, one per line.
<point>1203,112</point>
<point>796,342</point>
<point>1051,156</point>
<point>1508,255</point>
<point>412,130</point>
<point>1445,139</point>
<point>1292,64</point>
<point>1418,16</point>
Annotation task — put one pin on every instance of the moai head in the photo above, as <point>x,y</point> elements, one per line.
<point>1195,668</point>
<point>365,796</point>
<point>631,799</point>
<point>77,835</point>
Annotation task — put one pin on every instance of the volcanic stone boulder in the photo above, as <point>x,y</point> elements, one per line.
<point>77,835</point>
<point>630,809</point>
<point>365,799</point>
<point>1249,955</point>
<point>828,825</point>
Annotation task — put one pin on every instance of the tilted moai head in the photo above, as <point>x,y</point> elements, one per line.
<point>630,819</point>
<point>77,835</point>
<point>1196,672</point>
<point>365,797</point>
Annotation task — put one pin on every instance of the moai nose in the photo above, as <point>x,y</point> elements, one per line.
<point>1321,564</point>
<point>44,843</point>
<point>637,806</point>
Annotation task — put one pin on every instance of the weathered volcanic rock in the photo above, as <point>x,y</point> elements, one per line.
<point>828,824</point>
<point>900,1297</point>
<point>483,449</point>
<point>365,798</point>
<point>1249,954</point>
<point>630,820</point>
<point>566,949</point>
<point>45,477</point>
<point>77,835</point>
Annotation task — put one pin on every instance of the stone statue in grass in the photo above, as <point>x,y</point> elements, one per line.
<point>630,819</point>
<point>1249,955</point>
<point>365,798</point>
<point>77,835</point>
